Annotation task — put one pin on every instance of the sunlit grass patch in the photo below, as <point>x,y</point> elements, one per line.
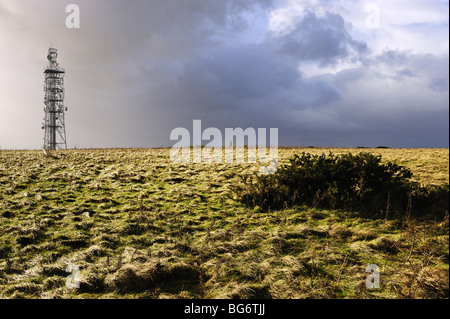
<point>139,226</point>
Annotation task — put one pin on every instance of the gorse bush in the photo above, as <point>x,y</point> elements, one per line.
<point>351,182</point>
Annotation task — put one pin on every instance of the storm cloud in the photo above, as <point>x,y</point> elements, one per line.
<point>323,39</point>
<point>136,71</point>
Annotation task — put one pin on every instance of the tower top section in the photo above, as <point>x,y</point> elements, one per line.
<point>53,63</point>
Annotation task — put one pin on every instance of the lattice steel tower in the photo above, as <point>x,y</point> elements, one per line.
<point>54,123</point>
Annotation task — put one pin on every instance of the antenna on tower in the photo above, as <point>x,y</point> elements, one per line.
<point>54,122</point>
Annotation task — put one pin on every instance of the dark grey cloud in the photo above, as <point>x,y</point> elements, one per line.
<point>439,84</point>
<point>236,75</point>
<point>427,68</point>
<point>406,73</point>
<point>323,39</point>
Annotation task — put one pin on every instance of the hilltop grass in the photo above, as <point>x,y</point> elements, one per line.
<point>139,226</point>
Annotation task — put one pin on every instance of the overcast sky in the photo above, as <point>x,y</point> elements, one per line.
<point>325,73</point>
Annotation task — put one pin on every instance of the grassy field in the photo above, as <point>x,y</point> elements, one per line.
<point>139,226</point>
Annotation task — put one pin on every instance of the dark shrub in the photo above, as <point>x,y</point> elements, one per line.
<point>351,182</point>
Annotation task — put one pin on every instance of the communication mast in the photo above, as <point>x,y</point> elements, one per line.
<point>54,123</point>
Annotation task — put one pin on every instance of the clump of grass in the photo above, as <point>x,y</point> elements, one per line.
<point>384,244</point>
<point>149,275</point>
<point>27,288</point>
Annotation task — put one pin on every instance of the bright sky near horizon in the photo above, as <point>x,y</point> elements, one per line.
<point>325,73</point>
